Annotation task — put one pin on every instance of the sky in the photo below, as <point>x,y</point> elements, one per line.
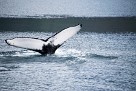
<point>86,8</point>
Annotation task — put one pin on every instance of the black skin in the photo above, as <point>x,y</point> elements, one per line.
<point>48,49</point>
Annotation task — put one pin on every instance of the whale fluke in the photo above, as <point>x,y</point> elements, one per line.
<point>48,46</point>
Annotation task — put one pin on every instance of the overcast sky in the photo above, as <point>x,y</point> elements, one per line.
<point>69,7</point>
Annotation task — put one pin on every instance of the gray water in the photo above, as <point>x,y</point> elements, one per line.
<point>86,62</point>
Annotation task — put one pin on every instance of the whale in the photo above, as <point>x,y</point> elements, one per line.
<point>45,46</point>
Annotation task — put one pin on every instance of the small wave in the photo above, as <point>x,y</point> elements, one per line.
<point>8,53</point>
<point>102,56</point>
<point>8,67</point>
<point>23,53</point>
<point>4,69</point>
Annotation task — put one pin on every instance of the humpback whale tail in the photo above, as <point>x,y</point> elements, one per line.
<point>48,46</point>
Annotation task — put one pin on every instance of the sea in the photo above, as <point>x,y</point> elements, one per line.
<point>101,57</point>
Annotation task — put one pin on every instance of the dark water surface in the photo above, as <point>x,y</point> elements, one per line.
<point>87,62</point>
<point>57,23</point>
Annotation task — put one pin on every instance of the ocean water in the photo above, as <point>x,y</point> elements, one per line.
<point>53,23</point>
<point>86,62</point>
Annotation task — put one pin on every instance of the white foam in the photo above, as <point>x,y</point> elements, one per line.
<point>69,53</point>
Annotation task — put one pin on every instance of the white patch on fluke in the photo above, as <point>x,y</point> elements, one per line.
<point>28,43</point>
<point>37,44</point>
<point>64,35</point>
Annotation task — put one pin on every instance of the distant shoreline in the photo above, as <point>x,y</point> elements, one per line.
<point>60,16</point>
